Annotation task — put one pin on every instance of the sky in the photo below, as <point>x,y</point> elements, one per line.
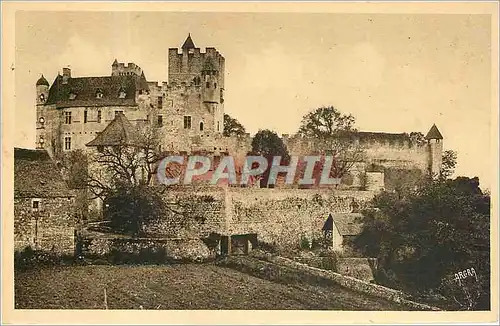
<point>393,72</point>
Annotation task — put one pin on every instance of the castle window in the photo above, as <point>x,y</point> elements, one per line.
<point>67,143</point>
<point>99,93</point>
<point>215,85</point>
<point>35,205</point>
<point>187,122</point>
<point>85,113</point>
<point>160,121</point>
<point>160,102</point>
<point>99,116</point>
<point>201,126</point>
<point>72,95</point>
<point>122,94</point>
<point>208,85</point>
<point>42,98</point>
<point>118,112</point>
<point>218,125</point>
<point>41,141</point>
<point>67,118</point>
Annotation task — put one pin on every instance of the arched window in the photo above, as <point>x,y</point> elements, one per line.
<point>208,85</point>
<point>215,85</point>
<point>201,126</point>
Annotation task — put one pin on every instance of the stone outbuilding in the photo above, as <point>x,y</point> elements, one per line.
<point>44,216</point>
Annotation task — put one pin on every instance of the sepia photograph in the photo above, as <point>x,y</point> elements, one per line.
<point>238,160</point>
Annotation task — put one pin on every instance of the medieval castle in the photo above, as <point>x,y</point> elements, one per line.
<point>80,113</point>
<point>188,110</point>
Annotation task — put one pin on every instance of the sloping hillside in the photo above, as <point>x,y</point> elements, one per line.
<point>188,286</point>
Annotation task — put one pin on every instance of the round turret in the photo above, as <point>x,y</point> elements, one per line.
<point>210,85</point>
<point>42,81</point>
<point>42,90</point>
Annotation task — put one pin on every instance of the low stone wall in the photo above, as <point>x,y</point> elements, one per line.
<point>345,281</point>
<point>137,250</point>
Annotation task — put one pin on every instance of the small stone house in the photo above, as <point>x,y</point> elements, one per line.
<point>341,229</point>
<point>44,216</point>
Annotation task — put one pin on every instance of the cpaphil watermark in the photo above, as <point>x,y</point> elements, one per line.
<point>253,167</point>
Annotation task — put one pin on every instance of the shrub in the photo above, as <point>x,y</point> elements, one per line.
<point>29,258</point>
<point>129,209</point>
<point>304,243</point>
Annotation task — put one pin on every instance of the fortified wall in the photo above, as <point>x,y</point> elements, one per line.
<point>278,217</point>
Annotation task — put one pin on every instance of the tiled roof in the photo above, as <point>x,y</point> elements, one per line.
<point>119,132</point>
<point>188,43</point>
<point>36,175</point>
<point>434,133</point>
<point>348,224</point>
<point>85,90</point>
<point>42,81</point>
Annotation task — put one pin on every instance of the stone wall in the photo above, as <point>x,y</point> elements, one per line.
<point>277,268</point>
<point>121,250</point>
<point>281,217</point>
<point>50,229</point>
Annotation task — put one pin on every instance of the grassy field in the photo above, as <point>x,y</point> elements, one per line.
<point>187,286</point>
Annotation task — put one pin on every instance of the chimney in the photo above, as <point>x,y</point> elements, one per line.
<point>66,75</point>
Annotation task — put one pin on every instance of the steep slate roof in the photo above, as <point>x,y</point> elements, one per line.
<point>119,132</point>
<point>42,81</point>
<point>348,224</point>
<point>188,43</point>
<point>36,175</point>
<point>86,88</point>
<point>434,133</point>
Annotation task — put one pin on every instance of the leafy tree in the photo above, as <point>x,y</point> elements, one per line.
<point>268,144</point>
<point>424,237</point>
<point>449,164</point>
<point>335,135</point>
<point>232,127</point>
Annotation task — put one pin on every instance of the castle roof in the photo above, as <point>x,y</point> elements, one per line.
<point>188,43</point>
<point>434,133</point>
<point>36,175</point>
<point>119,132</point>
<point>85,89</point>
<point>42,81</point>
<point>346,224</point>
<point>115,63</point>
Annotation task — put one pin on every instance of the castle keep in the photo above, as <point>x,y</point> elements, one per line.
<point>188,112</point>
<point>87,113</point>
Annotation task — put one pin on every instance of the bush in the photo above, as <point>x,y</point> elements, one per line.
<point>304,243</point>
<point>29,258</point>
<point>129,209</point>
